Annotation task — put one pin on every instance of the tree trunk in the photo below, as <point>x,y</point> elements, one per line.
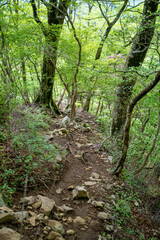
<point>55,17</point>
<point>135,58</point>
<point>133,102</point>
<point>87,103</point>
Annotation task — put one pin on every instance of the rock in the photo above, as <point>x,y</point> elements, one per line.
<point>70,232</point>
<point>37,205</point>
<point>56,226</point>
<point>78,221</point>
<point>5,210</point>
<point>109,228</point>
<point>9,234</point>
<point>95,175</point>
<point>32,220</point>
<point>28,200</point>
<point>47,228</point>
<point>65,120</point>
<point>6,217</point>
<point>2,204</point>
<point>99,204</point>
<point>80,192</point>
<point>59,190</point>
<point>47,204</point>
<point>104,216</point>
<point>94,223</point>
<point>22,215</point>
<point>69,220</point>
<point>54,236</point>
<point>71,187</point>
<point>39,216</point>
<point>110,158</point>
<point>89,183</point>
<point>64,209</point>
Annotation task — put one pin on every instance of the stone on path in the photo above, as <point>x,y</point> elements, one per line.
<point>9,234</point>
<point>47,204</point>
<point>90,183</point>
<point>78,221</point>
<point>28,200</point>
<point>56,226</point>
<point>54,236</point>
<point>70,232</point>
<point>104,216</point>
<point>80,192</point>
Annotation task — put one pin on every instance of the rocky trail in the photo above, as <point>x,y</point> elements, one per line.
<point>79,202</point>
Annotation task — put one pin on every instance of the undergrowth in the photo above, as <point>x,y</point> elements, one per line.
<point>25,151</point>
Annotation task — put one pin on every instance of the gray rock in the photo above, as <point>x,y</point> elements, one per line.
<point>6,217</point>
<point>28,200</point>
<point>22,215</point>
<point>47,204</point>
<point>80,192</point>
<point>104,216</point>
<point>56,226</point>
<point>65,120</point>
<point>109,228</point>
<point>78,221</point>
<point>9,234</point>
<point>110,159</point>
<point>64,209</point>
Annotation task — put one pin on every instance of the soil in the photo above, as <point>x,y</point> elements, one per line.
<point>82,159</point>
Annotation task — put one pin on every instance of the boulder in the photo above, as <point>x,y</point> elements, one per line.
<point>47,204</point>
<point>9,234</point>
<point>6,217</point>
<point>80,192</point>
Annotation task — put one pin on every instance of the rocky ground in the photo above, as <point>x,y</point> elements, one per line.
<point>81,201</point>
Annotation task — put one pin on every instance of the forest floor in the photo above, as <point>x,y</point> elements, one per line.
<point>106,210</point>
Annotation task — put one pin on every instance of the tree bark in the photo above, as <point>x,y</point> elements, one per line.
<point>55,16</point>
<point>135,58</point>
<point>133,102</point>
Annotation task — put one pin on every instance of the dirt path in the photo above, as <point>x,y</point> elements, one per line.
<point>85,193</point>
<point>83,164</point>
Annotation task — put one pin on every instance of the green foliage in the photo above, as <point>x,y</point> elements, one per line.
<point>28,152</point>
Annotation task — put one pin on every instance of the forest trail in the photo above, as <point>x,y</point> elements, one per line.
<point>84,192</point>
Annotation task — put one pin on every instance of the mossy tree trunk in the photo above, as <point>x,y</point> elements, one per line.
<point>56,12</point>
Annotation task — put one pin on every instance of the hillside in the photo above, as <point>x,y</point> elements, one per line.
<point>76,197</point>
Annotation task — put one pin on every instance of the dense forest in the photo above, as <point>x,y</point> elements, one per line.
<point>63,60</point>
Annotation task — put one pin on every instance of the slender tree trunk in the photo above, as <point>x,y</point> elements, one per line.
<point>61,98</point>
<point>135,58</point>
<point>133,102</point>
<point>87,102</point>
